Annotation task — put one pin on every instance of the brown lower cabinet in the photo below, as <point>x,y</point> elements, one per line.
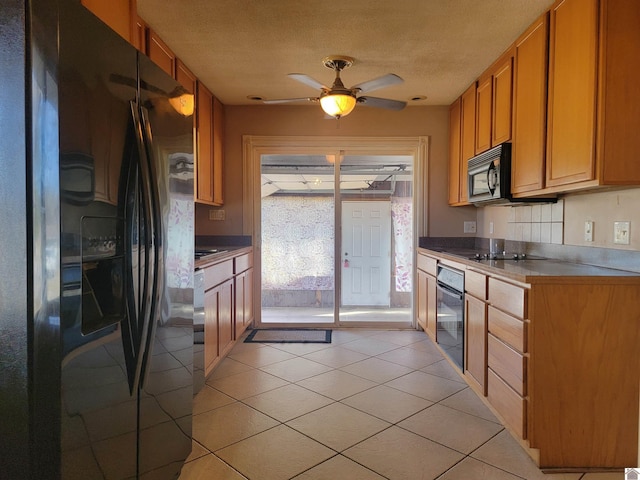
<point>243,281</point>
<point>426,298</point>
<point>558,358</point>
<point>228,305</point>
<point>560,371</point>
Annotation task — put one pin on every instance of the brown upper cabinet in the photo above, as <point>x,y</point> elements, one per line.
<point>493,104</point>
<point>139,34</point>
<point>530,108</point>
<point>160,53</point>
<point>204,138</point>
<point>593,108</point>
<point>502,106</point>
<point>573,73</point>
<point>484,101</point>
<point>209,158</point>
<point>462,144</point>
<point>454,153</point>
<point>185,77</point>
<point>218,151</point>
<point>117,14</point>
<point>574,107</point>
<point>467,137</point>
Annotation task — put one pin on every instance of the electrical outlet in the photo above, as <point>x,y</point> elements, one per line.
<point>588,231</point>
<point>216,214</point>
<point>621,232</point>
<point>469,227</point>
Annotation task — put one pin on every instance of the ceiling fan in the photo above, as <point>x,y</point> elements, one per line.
<point>338,100</point>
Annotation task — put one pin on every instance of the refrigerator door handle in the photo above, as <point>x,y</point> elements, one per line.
<point>142,308</point>
<point>156,266</point>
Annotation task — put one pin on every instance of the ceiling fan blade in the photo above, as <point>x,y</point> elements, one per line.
<point>377,83</point>
<point>307,80</point>
<point>382,103</point>
<point>291,100</point>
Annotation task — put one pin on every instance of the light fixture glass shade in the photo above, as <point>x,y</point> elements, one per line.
<point>338,104</point>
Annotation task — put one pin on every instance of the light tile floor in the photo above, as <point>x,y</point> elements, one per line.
<point>371,405</point>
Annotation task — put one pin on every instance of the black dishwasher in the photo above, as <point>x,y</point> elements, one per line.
<point>450,313</point>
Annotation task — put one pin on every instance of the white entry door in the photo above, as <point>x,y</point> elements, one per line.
<point>366,253</point>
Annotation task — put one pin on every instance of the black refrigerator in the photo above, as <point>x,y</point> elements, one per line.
<point>96,235</point>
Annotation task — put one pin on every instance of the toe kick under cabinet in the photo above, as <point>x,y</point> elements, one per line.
<point>556,358</point>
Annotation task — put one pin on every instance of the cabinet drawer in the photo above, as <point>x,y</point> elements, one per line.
<point>218,273</point>
<point>427,264</point>
<point>242,263</point>
<point>475,283</point>
<point>507,363</point>
<point>511,406</point>
<point>508,298</point>
<point>510,330</point>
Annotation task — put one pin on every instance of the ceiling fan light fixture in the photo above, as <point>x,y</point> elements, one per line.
<point>338,104</point>
<point>184,103</point>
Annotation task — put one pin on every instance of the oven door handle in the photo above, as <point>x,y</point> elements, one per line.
<point>451,291</point>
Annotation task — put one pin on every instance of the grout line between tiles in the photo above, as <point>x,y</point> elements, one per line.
<point>342,401</point>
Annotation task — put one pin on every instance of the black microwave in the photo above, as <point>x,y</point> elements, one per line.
<point>489,175</point>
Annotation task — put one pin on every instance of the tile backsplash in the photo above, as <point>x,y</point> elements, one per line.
<point>542,223</point>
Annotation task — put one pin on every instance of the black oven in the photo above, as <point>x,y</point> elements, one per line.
<point>450,313</point>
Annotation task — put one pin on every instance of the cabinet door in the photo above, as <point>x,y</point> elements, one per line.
<point>431,307</point>
<point>186,78</point>
<point>243,301</point>
<point>530,109</point>
<point>139,33</point>
<point>501,117</point>
<point>619,143</point>
<point>421,307</point>
<point>160,53</point>
<point>467,135</point>
<point>572,92</point>
<point>204,135</point>
<point>115,13</point>
<point>248,297</point>
<point>211,351</point>
<point>239,303</point>
<point>476,342</point>
<point>484,102</point>
<point>226,332</point>
<point>218,151</point>
<point>454,152</point>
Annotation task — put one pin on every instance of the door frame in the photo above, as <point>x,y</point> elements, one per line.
<point>254,146</point>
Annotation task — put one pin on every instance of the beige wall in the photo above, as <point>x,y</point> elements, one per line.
<point>602,208</point>
<point>309,120</point>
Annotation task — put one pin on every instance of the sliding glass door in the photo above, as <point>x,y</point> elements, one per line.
<point>336,239</point>
<point>298,239</point>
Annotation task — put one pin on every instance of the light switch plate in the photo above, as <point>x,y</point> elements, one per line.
<point>621,232</point>
<point>469,227</point>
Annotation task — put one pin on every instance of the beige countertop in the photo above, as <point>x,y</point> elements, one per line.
<point>538,271</point>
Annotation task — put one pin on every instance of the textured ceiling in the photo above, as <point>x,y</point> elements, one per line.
<point>240,48</point>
